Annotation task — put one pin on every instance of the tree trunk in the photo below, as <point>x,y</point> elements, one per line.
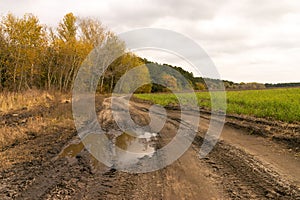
<point>111,83</point>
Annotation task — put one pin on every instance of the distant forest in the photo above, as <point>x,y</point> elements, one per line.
<point>281,85</point>
<point>33,55</point>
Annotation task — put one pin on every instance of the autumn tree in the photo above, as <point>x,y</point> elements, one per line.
<point>25,38</point>
<point>3,58</point>
<point>170,81</point>
<point>36,56</point>
<point>136,78</point>
<point>92,31</point>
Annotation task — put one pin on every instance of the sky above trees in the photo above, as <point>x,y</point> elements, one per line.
<point>249,40</point>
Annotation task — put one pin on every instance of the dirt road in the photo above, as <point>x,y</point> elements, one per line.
<point>243,165</point>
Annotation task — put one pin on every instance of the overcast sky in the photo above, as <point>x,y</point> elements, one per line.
<point>248,40</point>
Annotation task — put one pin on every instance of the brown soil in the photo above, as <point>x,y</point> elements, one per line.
<point>53,163</point>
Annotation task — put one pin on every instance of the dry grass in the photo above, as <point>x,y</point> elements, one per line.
<point>46,120</point>
<point>37,122</point>
<point>12,134</point>
<point>14,101</point>
<point>34,127</point>
<point>52,125</point>
<point>17,137</point>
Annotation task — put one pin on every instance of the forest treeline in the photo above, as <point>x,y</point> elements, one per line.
<point>33,55</point>
<point>281,85</point>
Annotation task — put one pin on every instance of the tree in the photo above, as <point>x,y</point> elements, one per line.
<point>199,86</point>
<point>25,38</point>
<point>170,81</point>
<point>91,31</point>
<point>32,55</point>
<point>3,58</point>
<point>68,50</point>
<point>67,28</point>
<point>113,46</point>
<point>135,73</point>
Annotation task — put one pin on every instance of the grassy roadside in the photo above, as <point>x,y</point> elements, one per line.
<point>37,125</point>
<point>10,101</point>
<point>31,114</point>
<point>276,104</point>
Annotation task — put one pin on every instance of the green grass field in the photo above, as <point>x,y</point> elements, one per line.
<point>278,104</point>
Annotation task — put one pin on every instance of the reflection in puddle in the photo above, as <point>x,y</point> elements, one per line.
<point>72,150</point>
<point>132,148</point>
<point>122,148</point>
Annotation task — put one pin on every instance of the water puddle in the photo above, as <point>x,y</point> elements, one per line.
<point>72,150</point>
<point>133,148</point>
<point>124,148</point>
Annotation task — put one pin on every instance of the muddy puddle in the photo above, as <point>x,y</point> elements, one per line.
<point>131,149</point>
<point>123,148</point>
<point>72,150</point>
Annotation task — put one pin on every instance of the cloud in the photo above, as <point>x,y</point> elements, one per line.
<point>260,11</point>
<point>261,36</point>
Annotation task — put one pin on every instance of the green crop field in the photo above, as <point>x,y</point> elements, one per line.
<point>278,104</point>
